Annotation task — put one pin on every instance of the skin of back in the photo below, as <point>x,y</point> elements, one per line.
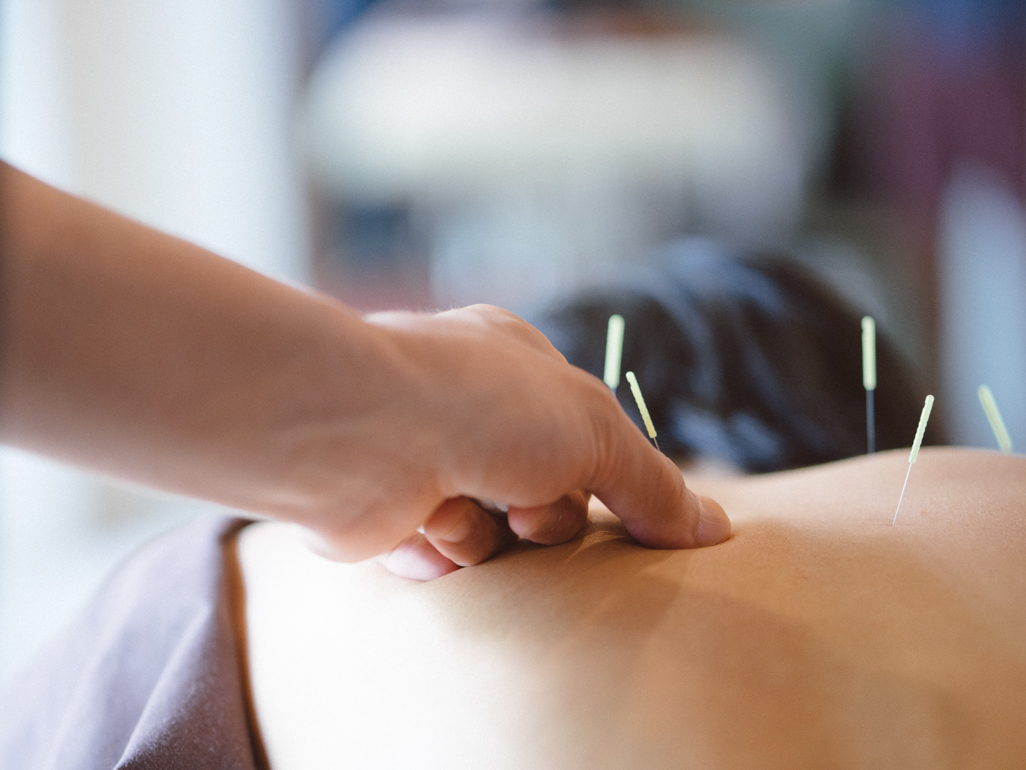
<point>817,636</point>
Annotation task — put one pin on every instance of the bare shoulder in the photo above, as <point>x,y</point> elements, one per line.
<point>818,635</point>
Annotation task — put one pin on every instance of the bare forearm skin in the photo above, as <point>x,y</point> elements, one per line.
<point>140,355</point>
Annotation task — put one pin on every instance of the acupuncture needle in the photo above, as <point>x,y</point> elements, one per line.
<point>636,390</point>
<point>869,379</point>
<point>997,425</point>
<point>927,407</point>
<point>614,351</point>
<point>611,376</point>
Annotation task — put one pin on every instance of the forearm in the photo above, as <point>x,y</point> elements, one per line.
<point>140,355</point>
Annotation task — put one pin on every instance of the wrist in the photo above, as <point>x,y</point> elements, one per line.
<point>361,448</point>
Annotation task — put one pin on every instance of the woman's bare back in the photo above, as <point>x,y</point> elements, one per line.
<point>817,636</point>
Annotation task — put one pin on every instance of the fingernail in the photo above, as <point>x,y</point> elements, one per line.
<point>417,560</point>
<point>713,524</point>
<point>460,530</point>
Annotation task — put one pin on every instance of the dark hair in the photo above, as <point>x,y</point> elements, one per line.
<point>749,359</point>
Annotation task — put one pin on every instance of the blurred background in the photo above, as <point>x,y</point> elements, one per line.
<point>432,153</point>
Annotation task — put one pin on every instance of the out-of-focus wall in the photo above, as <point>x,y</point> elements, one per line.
<point>537,155</point>
<point>941,124</point>
<point>177,113</point>
<point>513,149</point>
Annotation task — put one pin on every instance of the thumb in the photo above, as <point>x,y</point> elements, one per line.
<point>646,491</point>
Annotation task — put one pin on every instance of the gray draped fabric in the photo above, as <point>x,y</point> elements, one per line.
<point>149,676</point>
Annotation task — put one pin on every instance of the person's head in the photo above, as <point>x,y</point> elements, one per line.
<point>745,359</point>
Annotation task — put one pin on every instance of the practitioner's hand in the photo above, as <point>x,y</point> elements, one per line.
<point>141,356</point>
<point>490,411</point>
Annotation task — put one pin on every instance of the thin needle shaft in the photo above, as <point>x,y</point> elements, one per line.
<point>902,494</point>
<point>914,455</point>
<point>870,423</point>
